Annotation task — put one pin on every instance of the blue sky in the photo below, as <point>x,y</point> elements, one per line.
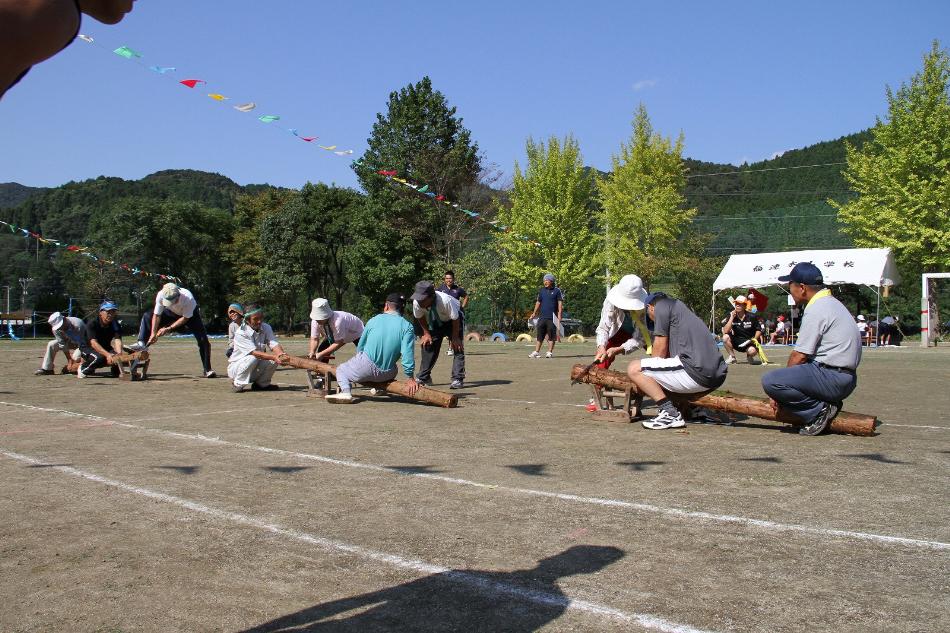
<point>741,80</point>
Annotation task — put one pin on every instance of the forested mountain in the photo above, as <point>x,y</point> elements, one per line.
<point>13,193</point>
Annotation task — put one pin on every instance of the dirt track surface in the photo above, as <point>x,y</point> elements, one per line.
<point>175,505</point>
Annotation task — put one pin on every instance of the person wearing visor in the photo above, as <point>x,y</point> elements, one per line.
<point>69,338</point>
<point>257,353</point>
<point>104,334</point>
<point>822,368</point>
<point>741,331</point>
<point>684,359</point>
<point>176,309</point>
<point>331,329</point>
<point>235,316</point>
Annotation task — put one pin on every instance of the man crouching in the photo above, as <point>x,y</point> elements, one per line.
<point>250,362</point>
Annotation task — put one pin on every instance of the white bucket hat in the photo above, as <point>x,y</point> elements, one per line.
<point>860,317</point>
<point>320,310</point>
<point>56,321</point>
<point>170,293</point>
<point>628,294</point>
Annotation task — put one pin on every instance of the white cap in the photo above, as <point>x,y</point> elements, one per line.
<point>628,294</point>
<point>860,317</point>
<point>56,321</point>
<point>169,294</point>
<point>741,299</point>
<point>320,310</point>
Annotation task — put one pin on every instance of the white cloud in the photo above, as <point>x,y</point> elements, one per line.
<point>777,154</point>
<point>643,84</point>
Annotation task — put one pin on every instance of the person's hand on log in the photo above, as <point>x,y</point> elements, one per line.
<point>283,359</point>
<point>601,354</point>
<point>412,386</point>
<point>457,345</point>
<point>110,358</point>
<point>426,339</point>
<point>774,405</point>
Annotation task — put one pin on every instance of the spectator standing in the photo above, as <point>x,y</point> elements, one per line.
<point>548,307</point>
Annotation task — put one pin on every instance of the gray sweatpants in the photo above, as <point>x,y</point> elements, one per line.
<point>361,369</point>
<point>55,346</point>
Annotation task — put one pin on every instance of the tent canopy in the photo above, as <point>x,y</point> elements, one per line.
<point>864,266</point>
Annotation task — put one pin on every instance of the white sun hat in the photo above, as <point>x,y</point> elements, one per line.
<point>56,321</point>
<point>170,293</point>
<point>628,294</point>
<point>320,310</point>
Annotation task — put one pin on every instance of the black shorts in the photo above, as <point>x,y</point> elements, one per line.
<point>546,329</point>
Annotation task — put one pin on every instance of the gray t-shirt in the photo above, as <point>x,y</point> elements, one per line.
<point>827,334</point>
<point>691,340</point>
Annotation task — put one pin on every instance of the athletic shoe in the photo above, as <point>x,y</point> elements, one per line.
<point>237,388</point>
<point>344,397</point>
<point>730,359</point>
<point>457,384</point>
<point>755,360</point>
<point>549,355</point>
<point>424,383</point>
<point>138,346</point>
<point>270,387</point>
<point>449,353</point>
<point>664,420</point>
<point>534,355</point>
<point>822,420</point>
<point>43,372</point>
<point>210,374</point>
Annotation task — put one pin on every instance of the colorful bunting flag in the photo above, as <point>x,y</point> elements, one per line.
<point>124,51</point>
<point>191,83</point>
<point>85,38</point>
<point>268,118</point>
<point>218,97</point>
<point>245,107</point>
<point>161,70</point>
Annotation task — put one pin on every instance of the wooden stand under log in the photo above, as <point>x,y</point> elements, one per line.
<point>846,422</point>
<point>399,388</point>
<point>132,365</point>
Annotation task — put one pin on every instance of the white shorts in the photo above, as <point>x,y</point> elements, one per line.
<point>669,373</point>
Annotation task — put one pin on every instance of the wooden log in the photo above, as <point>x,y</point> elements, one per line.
<point>846,422</point>
<point>140,356</point>
<point>397,387</point>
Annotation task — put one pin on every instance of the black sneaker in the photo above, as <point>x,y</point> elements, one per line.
<point>43,372</point>
<point>425,383</point>
<point>116,372</point>
<point>821,422</point>
<point>257,387</point>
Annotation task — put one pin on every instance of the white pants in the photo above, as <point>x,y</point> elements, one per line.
<point>669,373</point>
<point>248,369</point>
<point>52,348</point>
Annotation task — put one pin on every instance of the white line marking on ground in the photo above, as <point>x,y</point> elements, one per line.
<point>469,579</point>
<point>559,404</point>
<point>678,513</point>
<point>917,426</point>
<point>189,415</point>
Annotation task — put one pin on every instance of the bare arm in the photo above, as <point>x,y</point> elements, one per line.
<point>661,347</point>
<point>537,306</point>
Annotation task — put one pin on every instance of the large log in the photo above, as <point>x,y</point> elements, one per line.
<point>423,394</point>
<point>846,422</point>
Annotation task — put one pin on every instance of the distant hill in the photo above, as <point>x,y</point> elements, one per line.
<point>13,193</point>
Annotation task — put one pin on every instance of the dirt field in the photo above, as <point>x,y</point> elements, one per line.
<point>175,505</point>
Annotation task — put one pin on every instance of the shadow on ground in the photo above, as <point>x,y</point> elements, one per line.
<point>456,600</point>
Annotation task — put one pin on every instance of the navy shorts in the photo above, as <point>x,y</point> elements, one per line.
<point>546,329</point>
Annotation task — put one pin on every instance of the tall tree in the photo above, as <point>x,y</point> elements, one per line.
<point>398,231</point>
<point>903,173</point>
<point>644,207</point>
<point>244,252</point>
<point>548,225</point>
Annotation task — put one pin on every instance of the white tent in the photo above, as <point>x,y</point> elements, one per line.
<point>872,267</point>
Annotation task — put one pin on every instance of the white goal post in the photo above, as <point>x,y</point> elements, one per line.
<point>929,319</point>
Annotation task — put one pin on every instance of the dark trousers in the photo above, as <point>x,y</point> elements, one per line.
<point>804,389</point>
<point>431,354</point>
<point>194,326</point>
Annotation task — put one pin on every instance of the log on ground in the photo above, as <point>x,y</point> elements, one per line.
<point>846,422</point>
<point>399,388</point>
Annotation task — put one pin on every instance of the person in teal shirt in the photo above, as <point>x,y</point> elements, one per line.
<point>387,337</point>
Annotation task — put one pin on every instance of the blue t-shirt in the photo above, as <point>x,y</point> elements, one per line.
<point>387,337</point>
<point>549,298</point>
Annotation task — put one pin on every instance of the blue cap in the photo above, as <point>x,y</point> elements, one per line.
<point>108,306</point>
<point>653,296</point>
<point>804,273</point>
<point>549,277</point>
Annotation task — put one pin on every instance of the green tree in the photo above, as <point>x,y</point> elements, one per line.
<point>644,208</point>
<point>398,233</point>
<point>244,252</point>
<point>548,225</point>
<point>903,173</point>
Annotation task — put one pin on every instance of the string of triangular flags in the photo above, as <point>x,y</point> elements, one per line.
<point>391,176</point>
<point>244,107</point>
<point>85,252</point>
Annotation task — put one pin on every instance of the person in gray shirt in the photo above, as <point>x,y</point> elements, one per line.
<point>821,371</point>
<point>684,359</point>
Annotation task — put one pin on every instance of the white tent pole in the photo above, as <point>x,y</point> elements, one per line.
<point>924,311</point>
<point>712,313</point>
<point>877,334</point>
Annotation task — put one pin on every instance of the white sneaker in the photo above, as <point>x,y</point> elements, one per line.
<point>449,353</point>
<point>549,355</point>
<point>730,360</point>
<point>534,355</point>
<point>664,420</point>
<point>210,374</point>
<point>344,397</point>
<point>137,346</point>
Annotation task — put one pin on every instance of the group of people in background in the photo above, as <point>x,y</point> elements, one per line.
<point>683,356</point>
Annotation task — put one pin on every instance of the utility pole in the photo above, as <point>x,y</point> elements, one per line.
<point>24,283</point>
<point>8,299</point>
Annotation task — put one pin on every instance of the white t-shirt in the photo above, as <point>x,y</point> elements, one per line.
<point>446,306</point>
<point>862,327</point>
<point>247,340</point>
<point>346,327</point>
<point>184,306</point>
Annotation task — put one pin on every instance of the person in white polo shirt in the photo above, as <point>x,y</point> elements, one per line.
<point>176,310</point>
<point>69,338</point>
<point>440,316</point>
<point>331,329</point>
<point>256,355</point>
